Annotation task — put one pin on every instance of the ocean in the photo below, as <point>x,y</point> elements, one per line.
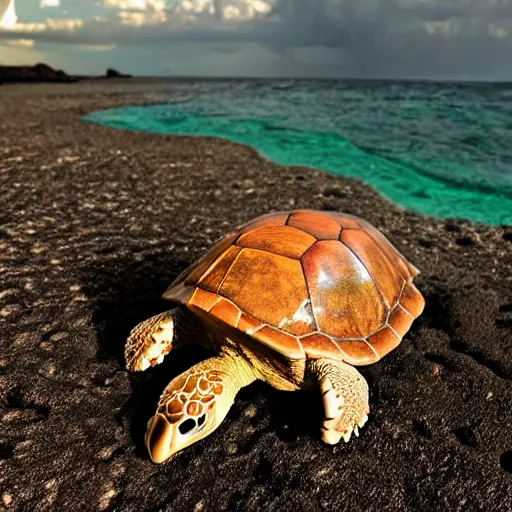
<point>441,149</point>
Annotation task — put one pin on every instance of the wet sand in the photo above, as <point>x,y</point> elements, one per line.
<point>94,224</point>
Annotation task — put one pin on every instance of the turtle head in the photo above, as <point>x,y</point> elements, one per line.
<point>192,406</point>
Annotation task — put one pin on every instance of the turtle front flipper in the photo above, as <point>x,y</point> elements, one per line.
<point>345,397</point>
<point>150,341</point>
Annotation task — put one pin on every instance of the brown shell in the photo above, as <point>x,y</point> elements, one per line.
<point>306,284</point>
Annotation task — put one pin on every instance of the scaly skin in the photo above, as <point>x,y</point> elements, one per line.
<point>345,397</point>
<point>196,402</point>
<point>149,342</point>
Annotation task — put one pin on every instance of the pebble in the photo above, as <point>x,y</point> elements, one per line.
<point>6,498</point>
<point>106,497</point>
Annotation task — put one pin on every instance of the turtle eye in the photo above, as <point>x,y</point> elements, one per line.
<point>187,426</point>
<point>190,425</point>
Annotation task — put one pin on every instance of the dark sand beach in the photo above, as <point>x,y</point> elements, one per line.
<point>95,223</point>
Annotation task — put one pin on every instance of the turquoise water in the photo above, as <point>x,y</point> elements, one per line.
<point>440,149</point>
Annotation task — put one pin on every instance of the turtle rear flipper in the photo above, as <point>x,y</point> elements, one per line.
<point>345,397</point>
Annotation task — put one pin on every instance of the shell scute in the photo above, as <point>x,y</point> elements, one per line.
<point>271,219</point>
<point>249,324</point>
<point>358,352</point>
<point>400,321</point>
<point>346,302</point>
<point>213,277</point>
<point>197,269</point>
<point>375,262</point>
<point>412,300</point>
<point>321,226</point>
<point>280,341</point>
<point>383,341</point>
<point>345,220</point>
<point>226,311</point>
<point>319,345</point>
<point>203,299</point>
<point>283,240</point>
<point>265,285</point>
<point>403,267</point>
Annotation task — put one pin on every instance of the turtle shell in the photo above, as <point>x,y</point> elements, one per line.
<point>306,284</point>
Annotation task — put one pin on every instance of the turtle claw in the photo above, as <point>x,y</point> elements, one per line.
<point>345,405</point>
<point>335,429</point>
<point>363,420</point>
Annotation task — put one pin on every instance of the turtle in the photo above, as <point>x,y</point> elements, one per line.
<point>296,299</point>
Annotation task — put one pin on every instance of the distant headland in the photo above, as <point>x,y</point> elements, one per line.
<point>45,73</point>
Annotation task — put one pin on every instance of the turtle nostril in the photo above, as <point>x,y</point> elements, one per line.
<point>201,420</point>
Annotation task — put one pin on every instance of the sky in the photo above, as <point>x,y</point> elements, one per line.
<point>432,39</point>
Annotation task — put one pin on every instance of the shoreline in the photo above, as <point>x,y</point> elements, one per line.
<point>95,223</point>
<point>404,181</point>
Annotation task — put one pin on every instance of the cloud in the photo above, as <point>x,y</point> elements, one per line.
<point>139,12</point>
<point>24,43</point>
<point>49,3</point>
<point>97,47</point>
<point>20,53</point>
<point>358,37</point>
<point>8,20</point>
<point>298,23</point>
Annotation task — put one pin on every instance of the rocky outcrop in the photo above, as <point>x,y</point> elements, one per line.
<point>37,73</point>
<point>113,73</point>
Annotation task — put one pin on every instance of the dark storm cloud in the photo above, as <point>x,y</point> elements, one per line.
<point>375,37</point>
<point>482,9</point>
<point>297,23</point>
